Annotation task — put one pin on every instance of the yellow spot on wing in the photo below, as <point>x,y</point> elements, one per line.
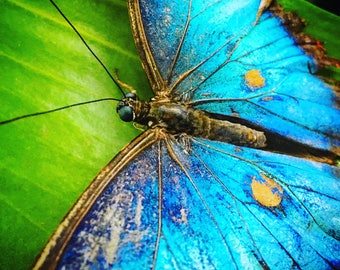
<point>266,191</point>
<point>254,79</point>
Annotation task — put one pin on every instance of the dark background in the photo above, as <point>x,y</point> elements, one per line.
<point>329,5</point>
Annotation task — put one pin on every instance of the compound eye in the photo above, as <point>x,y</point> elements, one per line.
<point>126,113</point>
<point>130,95</point>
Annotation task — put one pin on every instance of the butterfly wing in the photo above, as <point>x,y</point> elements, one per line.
<point>212,55</point>
<point>170,205</point>
<point>273,210</point>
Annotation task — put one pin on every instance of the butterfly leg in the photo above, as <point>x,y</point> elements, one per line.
<point>123,84</point>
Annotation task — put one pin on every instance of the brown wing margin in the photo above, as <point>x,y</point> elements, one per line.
<point>295,25</point>
<point>51,254</point>
<point>148,62</point>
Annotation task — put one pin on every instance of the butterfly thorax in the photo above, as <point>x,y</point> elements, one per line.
<point>177,118</point>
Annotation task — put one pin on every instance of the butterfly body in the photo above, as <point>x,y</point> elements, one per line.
<point>176,118</point>
<point>215,205</point>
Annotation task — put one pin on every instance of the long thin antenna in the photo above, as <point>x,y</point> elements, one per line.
<point>89,48</point>
<point>54,110</point>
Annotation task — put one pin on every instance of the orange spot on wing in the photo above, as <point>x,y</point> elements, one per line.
<point>267,98</point>
<point>254,79</point>
<point>266,191</point>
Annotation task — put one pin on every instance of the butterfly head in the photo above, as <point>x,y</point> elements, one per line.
<point>126,107</point>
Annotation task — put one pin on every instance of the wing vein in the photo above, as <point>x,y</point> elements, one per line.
<point>160,203</point>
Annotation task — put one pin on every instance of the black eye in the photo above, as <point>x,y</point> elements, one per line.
<point>130,95</point>
<point>125,113</point>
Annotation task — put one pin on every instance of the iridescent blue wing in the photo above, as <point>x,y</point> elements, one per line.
<point>261,210</point>
<point>212,55</point>
<point>162,205</point>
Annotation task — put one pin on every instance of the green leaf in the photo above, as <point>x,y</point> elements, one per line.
<point>48,160</point>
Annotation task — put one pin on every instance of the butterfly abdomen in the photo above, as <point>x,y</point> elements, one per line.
<point>178,118</point>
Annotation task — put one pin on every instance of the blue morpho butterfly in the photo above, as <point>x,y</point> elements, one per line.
<point>195,191</point>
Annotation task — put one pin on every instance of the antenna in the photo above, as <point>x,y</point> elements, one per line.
<point>54,110</point>
<point>89,48</point>
<point>116,82</point>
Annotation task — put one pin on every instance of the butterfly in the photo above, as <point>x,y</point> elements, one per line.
<point>210,183</point>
